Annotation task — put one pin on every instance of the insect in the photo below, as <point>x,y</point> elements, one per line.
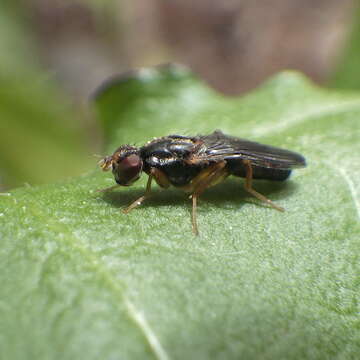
<point>194,163</point>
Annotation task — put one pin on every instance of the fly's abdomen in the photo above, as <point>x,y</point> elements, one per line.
<point>237,168</point>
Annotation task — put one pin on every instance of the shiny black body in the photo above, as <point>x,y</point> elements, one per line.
<point>195,163</point>
<point>182,158</point>
<point>169,154</point>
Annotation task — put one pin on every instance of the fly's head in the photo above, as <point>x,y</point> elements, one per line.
<point>125,163</point>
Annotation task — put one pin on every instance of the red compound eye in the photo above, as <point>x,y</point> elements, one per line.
<point>128,170</point>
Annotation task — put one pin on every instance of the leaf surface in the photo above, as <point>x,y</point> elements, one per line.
<point>79,279</point>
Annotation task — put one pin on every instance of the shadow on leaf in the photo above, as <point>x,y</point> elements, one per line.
<point>230,191</point>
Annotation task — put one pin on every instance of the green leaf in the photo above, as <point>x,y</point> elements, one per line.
<point>40,135</point>
<point>347,74</point>
<point>81,280</point>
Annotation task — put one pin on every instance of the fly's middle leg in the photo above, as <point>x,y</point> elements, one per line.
<point>193,215</point>
<point>209,176</point>
<point>248,187</point>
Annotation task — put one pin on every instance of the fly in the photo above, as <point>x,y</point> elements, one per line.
<point>195,163</point>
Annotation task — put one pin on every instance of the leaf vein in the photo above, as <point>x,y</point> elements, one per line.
<point>113,285</point>
<point>288,122</point>
<point>149,334</point>
<point>349,182</point>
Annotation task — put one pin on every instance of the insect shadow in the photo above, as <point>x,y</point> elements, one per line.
<point>231,191</point>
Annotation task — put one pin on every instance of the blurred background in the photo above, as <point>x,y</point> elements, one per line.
<point>55,53</point>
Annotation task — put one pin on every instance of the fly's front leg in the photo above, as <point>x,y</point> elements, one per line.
<point>248,187</point>
<point>108,188</point>
<point>160,179</point>
<point>141,198</point>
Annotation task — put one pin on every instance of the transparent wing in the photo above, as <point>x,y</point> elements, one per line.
<point>219,146</point>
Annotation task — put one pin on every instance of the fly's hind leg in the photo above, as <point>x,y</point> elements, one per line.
<point>248,187</point>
